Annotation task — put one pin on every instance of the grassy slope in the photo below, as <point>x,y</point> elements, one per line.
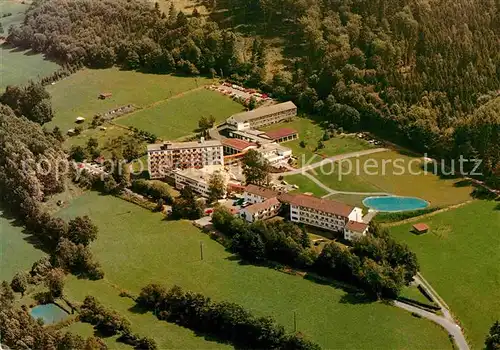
<point>16,253</point>
<point>460,258</point>
<point>351,199</point>
<point>77,95</point>
<point>439,192</point>
<point>135,248</point>
<point>179,116</point>
<point>17,66</point>
<point>311,132</point>
<point>305,185</point>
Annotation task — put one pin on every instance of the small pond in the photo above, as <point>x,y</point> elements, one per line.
<point>49,313</point>
<point>395,203</point>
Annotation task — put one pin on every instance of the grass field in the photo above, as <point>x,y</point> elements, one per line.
<point>311,132</point>
<point>179,116</point>
<point>305,185</point>
<point>460,258</point>
<point>351,199</point>
<point>16,254</point>
<point>102,136</point>
<point>438,191</point>
<point>412,292</point>
<point>16,8</point>
<point>18,67</point>
<point>77,95</point>
<point>136,247</point>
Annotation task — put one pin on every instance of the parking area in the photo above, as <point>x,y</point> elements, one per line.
<point>239,92</point>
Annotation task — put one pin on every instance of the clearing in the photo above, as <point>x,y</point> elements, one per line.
<point>18,67</point>
<point>460,257</point>
<point>77,95</point>
<point>179,116</point>
<point>16,253</point>
<point>137,247</point>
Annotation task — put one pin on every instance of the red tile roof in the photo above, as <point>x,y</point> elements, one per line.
<point>255,208</point>
<point>420,227</point>
<point>324,205</point>
<point>283,132</point>
<point>356,226</point>
<point>237,144</point>
<point>261,191</point>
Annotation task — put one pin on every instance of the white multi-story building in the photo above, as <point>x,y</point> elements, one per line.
<point>262,210</point>
<point>322,213</point>
<point>165,157</point>
<point>309,210</point>
<point>256,194</point>
<point>263,116</point>
<point>199,179</point>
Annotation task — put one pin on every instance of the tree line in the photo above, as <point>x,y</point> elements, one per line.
<point>376,263</point>
<point>18,330</point>
<point>32,168</point>
<point>223,320</point>
<point>109,323</point>
<point>493,338</point>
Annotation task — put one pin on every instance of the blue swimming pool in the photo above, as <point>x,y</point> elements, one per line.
<point>395,203</point>
<point>49,313</point>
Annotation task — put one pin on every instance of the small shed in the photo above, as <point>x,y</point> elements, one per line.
<point>420,228</point>
<point>105,95</point>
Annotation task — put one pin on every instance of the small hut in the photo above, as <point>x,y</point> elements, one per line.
<point>105,95</point>
<point>420,228</point>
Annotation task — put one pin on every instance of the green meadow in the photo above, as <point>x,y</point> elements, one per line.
<point>137,247</point>
<point>460,257</point>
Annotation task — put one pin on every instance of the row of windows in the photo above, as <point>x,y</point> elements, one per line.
<point>318,223</point>
<point>328,218</point>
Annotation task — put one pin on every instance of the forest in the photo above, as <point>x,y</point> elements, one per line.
<point>421,73</point>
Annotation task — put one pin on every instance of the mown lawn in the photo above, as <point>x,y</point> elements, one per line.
<point>77,95</point>
<point>16,254</point>
<point>311,132</point>
<point>351,199</point>
<point>179,116</point>
<point>305,184</point>
<point>137,247</point>
<point>18,67</point>
<point>460,257</point>
<point>378,173</point>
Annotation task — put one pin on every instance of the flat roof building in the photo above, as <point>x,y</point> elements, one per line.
<point>263,116</point>
<point>199,179</point>
<point>165,157</point>
<point>274,152</point>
